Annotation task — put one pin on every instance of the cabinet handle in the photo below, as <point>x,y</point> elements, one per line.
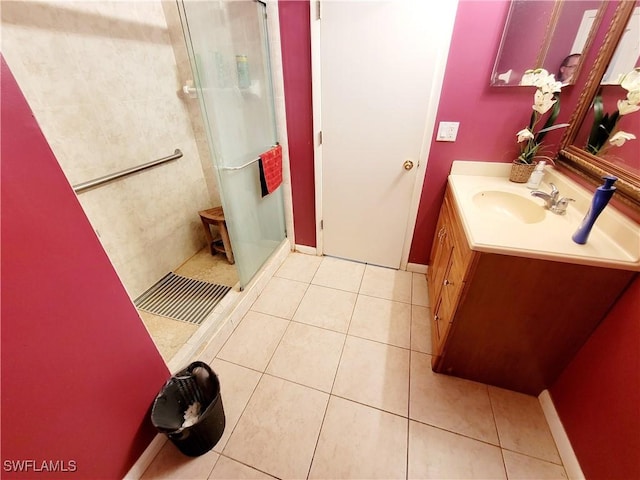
<point>436,318</point>
<point>447,282</point>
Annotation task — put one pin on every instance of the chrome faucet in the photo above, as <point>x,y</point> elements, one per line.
<point>552,202</point>
<point>561,205</point>
<point>549,198</point>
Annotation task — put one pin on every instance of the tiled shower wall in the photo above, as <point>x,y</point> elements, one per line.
<point>105,84</point>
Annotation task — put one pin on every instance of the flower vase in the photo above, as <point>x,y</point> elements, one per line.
<point>520,172</point>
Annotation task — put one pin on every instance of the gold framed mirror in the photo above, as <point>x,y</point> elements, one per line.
<point>573,154</point>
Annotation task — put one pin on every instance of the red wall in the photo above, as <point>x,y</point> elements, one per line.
<point>598,395</point>
<point>79,370</point>
<point>296,59</point>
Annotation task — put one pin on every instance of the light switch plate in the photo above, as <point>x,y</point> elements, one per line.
<point>447,131</point>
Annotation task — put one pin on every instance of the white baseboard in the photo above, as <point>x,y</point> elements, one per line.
<point>568,456</point>
<point>306,250</point>
<point>416,268</point>
<point>138,468</point>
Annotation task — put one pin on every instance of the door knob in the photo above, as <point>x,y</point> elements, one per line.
<point>408,164</point>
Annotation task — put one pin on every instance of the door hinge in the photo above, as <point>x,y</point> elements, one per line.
<point>320,138</point>
<point>321,224</point>
<point>318,16</point>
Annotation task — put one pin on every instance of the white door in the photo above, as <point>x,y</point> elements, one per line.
<point>379,60</point>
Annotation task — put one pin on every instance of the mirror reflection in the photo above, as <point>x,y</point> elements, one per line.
<point>604,132</point>
<point>543,34</point>
<point>611,128</point>
<point>609,132</point>
<point>627,54</point>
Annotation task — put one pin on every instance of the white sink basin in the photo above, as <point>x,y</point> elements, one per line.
<point>509,205</point>
<point>499,216</point>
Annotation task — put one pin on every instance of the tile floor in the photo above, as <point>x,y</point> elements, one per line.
<point>328,376</point>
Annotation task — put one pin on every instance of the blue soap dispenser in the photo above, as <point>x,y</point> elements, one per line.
<point>600,199</point>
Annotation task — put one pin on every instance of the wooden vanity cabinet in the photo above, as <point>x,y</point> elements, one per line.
<point>450,259</point>
<point>509,321</point>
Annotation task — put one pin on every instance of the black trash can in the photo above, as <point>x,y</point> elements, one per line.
<point>189,410</point>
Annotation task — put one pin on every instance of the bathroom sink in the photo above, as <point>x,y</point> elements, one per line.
<point>509,205</point>
<point>501,217</point>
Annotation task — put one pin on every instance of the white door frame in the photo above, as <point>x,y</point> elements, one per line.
<point>430,124</point>
<point>316,101</point>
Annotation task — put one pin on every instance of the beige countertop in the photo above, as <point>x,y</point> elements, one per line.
<point>614,240</point>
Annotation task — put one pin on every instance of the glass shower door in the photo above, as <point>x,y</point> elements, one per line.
<point>229,53</point>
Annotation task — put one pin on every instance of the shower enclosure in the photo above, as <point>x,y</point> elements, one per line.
<point>229,54</point>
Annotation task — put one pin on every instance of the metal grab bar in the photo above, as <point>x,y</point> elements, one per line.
<point>246,164</point>
<point>81,187</point>
<point>241,166</point>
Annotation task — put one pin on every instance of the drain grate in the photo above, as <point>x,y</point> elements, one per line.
<point>182,298</point>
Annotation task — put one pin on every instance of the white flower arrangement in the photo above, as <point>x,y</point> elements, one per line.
<point>546,99</point>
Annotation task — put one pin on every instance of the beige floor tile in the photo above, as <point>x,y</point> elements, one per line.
<point>386,283</point>
<point>374,374</point>
<point>170,463</point>
<point>421,329</point>
<point>419,290</point>
<point>253,342</point>
<point>280,297</point>
<point>236,387</point>
<point>451,403</point>
<point>300,267</point>
<point>278,431</point>
<point>327,308</point>
<point>438,454</point>
<point>522,426</point>
<point>340,274</point>
<point>523,467</point>
<point>357,441</point>
<point>308,355</point>
<point>228,469</point>
<point>382,320</point>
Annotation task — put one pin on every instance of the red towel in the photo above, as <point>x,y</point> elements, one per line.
<point>271,170</point>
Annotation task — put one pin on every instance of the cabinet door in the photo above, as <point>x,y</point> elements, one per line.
<point>440,254</point>
<point>443,309</point>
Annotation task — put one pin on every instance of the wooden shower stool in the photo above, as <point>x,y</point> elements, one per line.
<point>215,216</point>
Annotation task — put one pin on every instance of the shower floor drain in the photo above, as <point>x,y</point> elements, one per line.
<point>182,298</point>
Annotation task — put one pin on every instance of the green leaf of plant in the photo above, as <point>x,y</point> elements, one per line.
<point>552,118</point>
<point>593,144</point>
